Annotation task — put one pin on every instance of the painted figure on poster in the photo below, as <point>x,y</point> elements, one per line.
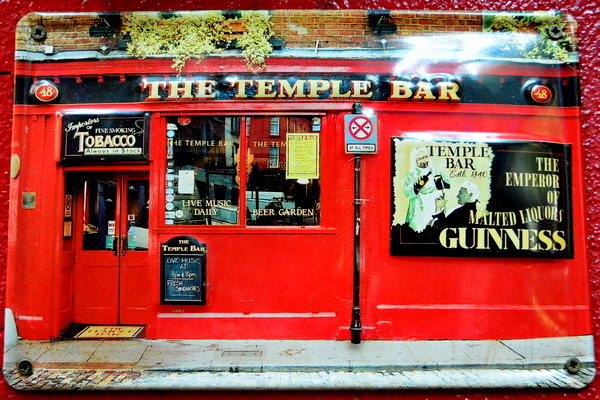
<point>463,212</point>
<point>422,186</point>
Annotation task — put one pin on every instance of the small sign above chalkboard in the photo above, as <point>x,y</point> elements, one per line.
<point>183,271</point>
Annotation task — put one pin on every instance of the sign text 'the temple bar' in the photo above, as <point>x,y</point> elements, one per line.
<point>272,89</point>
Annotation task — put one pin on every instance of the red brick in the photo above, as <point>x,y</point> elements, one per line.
<point>398,14</point>
<point>300,20</point>
<point>451,22</point>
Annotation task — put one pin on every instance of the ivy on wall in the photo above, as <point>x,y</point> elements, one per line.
<point>551,29</point>
<point>193,35</point>
<point>255,42</point>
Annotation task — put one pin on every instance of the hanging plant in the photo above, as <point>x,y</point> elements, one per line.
<point>510,29</point>
<point>553,42</point>
<point>193,35</point>
<point>185,36</point>
<point>255,42</point>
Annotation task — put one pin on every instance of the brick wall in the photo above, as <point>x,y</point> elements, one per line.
<point>429,23</point>
<point>298,28</point>
<point>63,32</point>
<point>301,29</point>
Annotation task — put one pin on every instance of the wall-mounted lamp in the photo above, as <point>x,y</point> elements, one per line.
<point>381,22</point>
<point>277,44</point>
<point>357,108</point>
<point>104,50</point>
<point>106,25</point>
<point>48,50</point>
<point>124,41</point>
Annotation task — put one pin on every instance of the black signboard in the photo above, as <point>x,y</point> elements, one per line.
<point>183,271</point>
<point>501,199</point>
<point>498,89</point>
<point>111,137</point>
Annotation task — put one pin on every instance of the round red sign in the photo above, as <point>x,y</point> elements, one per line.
<point>183,121</point>
<point>360,128</point>
<point>541,94</point>
<point>46,92</point>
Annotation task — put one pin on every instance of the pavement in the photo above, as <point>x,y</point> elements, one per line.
<point>298,364</point>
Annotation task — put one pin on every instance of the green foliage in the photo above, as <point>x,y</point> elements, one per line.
<point>255,42</point>
<point>193,35</point>
<point>548,45</point>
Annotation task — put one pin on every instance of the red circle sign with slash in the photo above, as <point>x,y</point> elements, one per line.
<point>360,128</point>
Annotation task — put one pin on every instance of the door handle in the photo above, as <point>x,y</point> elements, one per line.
<point>123,244</point>
<point>115,240</point>
<point>119,243</point>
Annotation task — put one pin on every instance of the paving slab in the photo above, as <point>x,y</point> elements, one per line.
<point>69,351</point>
<point>119,351</point>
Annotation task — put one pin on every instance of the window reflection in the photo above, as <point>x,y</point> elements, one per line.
<point>273,196</point>
<point>100,204</point>
<point>201,170</point>
<point>138,197</point>
<point>204,171</point>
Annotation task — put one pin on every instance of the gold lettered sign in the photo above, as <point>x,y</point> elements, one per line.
<point>121,136</point>
<point>502,199</point>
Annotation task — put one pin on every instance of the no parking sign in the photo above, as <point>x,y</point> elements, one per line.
<point>361,134</point>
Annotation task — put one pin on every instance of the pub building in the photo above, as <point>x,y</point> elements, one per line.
<point>417,179</point>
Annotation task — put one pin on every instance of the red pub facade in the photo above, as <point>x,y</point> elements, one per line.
<point>415,184</point>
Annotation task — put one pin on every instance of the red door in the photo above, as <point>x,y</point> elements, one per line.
<point>112,249</point>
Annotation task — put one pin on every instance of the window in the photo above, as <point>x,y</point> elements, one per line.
<point>201,171</point>
<point>283,184</point>
<point>205,170</point>
<point>274,126</point>
<point>274,157</point>
<point>233,125</point>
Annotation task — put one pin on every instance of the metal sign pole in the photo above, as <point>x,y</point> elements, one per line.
<point>355,326</point>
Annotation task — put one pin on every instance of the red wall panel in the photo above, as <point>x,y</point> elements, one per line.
<point>586,13</point>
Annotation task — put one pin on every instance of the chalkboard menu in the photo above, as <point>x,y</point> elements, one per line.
<point>122,136</point>
<point>183,267</point>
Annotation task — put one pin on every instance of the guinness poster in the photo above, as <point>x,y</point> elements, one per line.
<point>502,199</point>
